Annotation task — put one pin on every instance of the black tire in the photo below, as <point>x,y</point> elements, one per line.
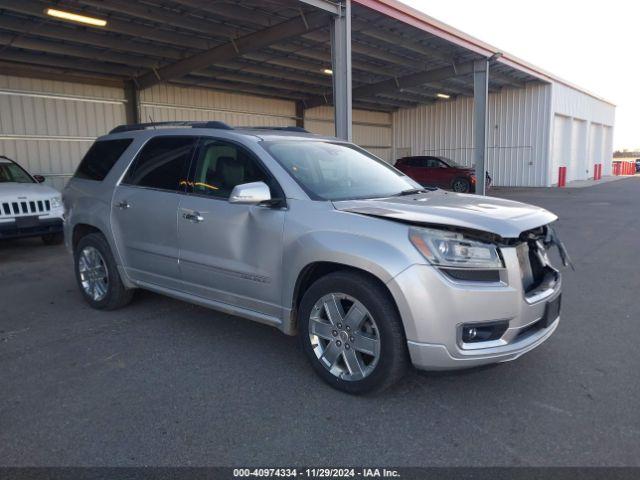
<point>393,358</point>
<point>117,296</point>
<point>461,185</point>
<point>53,238</point>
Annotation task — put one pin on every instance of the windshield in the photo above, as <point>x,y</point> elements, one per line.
<point>334,171</point>
<point>10,172</point>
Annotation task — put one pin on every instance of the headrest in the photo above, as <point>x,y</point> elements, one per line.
<point>231,170</point>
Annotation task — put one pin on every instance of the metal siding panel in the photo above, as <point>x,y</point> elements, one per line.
<point>570,102</point>
<point>171,102</point>
<point>518,139</point>
<point>371,130</point>
<point>47,126</point>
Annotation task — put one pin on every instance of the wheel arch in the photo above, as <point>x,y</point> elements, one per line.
<point>81,230</point>
<point>318,269</point>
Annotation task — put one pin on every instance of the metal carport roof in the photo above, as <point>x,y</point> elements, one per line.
<point>274,48</point>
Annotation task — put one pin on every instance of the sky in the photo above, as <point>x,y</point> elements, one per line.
<point>592,44</point>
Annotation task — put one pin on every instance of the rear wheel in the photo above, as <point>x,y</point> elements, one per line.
<point>53,238</point>
<point>97,274</point>
<point>461,185</point>
<point>351,332</point>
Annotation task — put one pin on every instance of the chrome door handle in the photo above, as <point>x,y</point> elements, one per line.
<point>123,205</point>
<point>194,217</point>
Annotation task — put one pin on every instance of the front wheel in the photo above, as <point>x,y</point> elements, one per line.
<point>461,185</point>
<point>97,274</point>
<point>351,332</point>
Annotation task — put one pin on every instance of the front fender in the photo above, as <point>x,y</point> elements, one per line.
<point>377,246</point>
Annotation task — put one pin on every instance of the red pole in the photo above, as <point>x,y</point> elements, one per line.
<point>562,177</point>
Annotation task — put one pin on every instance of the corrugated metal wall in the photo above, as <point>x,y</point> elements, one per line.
<point>586,123</point>
<point>47,126</point>
<point>518,139</point>
<point>371,130</point>
<point>169,102</point>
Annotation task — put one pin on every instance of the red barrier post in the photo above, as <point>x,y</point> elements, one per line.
<point>562,177</point>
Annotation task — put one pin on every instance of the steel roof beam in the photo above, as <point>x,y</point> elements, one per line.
<point>238,87</point>
<point>259,81</point>
<point>166,17</point>
<point>504,78</point>
<point>330,7</point>
<point>233,12</point>
<point>137,61</point>
<point>59,32</point>
<point>68,63</point>
<point>407,81</point>
<point>235,48</point>
<point>38,45</point>
<point>63,75</point>
<point>37,8</point>
<point>240,13</point>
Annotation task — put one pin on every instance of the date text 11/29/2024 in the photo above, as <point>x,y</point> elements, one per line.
<point>316,473</point>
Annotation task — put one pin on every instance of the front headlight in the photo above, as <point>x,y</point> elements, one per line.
<point>450,249</point>
<point>56,202</point>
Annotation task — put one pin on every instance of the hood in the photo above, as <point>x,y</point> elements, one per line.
<point>12,189</point>
<point>505,218</point>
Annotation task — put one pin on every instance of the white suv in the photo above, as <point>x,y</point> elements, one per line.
<point>27,207</point>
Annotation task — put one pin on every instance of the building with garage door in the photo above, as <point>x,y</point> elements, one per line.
<point>403,83</point>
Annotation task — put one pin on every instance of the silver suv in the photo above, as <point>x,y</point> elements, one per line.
<point>318,238</point>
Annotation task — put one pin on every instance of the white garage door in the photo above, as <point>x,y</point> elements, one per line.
<point>596,145</point>
<point>578,168</point>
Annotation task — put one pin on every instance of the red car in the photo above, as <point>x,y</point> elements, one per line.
<point>439,172</point>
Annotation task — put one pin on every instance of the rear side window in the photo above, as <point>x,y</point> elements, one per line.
<point>100,158</point>
<point>163,163</point>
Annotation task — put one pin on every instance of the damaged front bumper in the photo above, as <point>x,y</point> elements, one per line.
<point>436,309</point>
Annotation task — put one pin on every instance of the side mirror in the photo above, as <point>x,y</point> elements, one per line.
<point>250,193</point>
<point>39,178</point>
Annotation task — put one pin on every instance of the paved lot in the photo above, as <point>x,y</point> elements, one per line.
<point>166,383</point>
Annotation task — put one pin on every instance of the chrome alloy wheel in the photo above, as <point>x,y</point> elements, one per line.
<point>344,336</point>
<point>94,276</point>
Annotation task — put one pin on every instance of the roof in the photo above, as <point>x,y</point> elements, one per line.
<point>271,48</point>
<point>411,16</point>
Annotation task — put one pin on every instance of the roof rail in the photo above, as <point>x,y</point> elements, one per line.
<point>286,129</point>
<point>145,126</point>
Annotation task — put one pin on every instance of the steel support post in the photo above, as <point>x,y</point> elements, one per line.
<point>341,66</point>
<point>480,115</point>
